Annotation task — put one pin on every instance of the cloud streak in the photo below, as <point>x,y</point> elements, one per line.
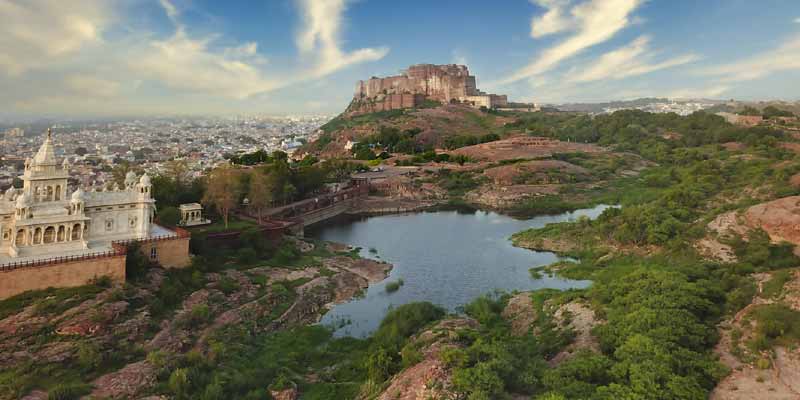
<point>632,60</point>
<point>784,57</point>
<point>88,49</point>
<point>186,63</point>
<point>320,37</point>
<point>591,22</point>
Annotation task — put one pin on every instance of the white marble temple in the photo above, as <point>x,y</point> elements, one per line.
<point>42,220</point>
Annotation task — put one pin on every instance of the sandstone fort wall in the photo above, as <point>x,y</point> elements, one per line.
<point>443,83</point>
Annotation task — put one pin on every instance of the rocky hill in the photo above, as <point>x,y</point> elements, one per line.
<point>434,124</point>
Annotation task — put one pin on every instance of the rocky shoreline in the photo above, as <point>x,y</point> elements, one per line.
<point>373,206</point>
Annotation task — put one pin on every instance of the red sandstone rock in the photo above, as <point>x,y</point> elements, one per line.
<point>779,218</point>
<point>523,147</point>
<point>795,180</point>
<point>126,382</point>
<point>285,394</point>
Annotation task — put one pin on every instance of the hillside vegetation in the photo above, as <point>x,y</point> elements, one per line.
<point>434,125</point>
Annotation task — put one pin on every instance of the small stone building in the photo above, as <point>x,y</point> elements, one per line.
<point>192,215</point>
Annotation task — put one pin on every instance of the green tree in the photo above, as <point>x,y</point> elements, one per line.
<point>261,192</point>
<point>169,216</point>
<point>223,190</point>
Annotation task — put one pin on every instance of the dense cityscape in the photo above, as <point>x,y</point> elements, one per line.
<point>94,149</point>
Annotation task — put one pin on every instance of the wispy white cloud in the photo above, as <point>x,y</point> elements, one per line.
<point>553,21</point>
<point>784,57</point>
<point>35,33</point>
<point>320,38</point>
<point>709,92</point>
<point>797,20</point>
<point>633,59</point>
<point>591,22</point>
<point>170,9</point>
<point>76,54</point>
<point>458,57</point>
<point>187,63</point>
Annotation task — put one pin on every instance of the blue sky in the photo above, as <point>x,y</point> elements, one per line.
<point>156,57</point>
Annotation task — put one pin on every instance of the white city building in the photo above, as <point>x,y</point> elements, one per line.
<point>42,220</point>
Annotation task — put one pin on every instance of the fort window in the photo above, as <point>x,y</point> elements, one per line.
<point>153,253</point>
<point>20,239</point>
<point>6,234</point>
<point>58,192</point>
<point>61,233</point>
<point>37,236</point>
<point>76,232</point>
<point>109,224</point>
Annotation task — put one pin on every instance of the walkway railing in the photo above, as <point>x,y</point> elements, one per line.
<point>115,252</point>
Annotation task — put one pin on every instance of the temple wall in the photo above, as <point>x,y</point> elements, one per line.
<point>64,274</point>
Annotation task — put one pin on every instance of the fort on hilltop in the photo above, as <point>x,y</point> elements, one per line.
<point>446,84</point>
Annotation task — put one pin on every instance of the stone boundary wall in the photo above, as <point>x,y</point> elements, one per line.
<point>63,274</point>
<point>171,251</point>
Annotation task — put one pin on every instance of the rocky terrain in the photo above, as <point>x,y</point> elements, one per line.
<point>525,148</point>
<point>780,219</point>
<point>766,374</point>
<point>430,378</point>
<point>115,325</point>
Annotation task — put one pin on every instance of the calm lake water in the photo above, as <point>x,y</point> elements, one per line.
<point>446,257</point>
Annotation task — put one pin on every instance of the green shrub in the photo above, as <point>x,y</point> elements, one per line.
<point>89,356</point>
<point>392,287</point>
<point>774,286</point>
<point>68,391</point>
<point>410,356</point>
<point>228,285</point>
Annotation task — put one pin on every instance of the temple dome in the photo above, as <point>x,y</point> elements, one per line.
<point>46,155</point>
<point>130,178</point>
<point>145,180</point>
<point>77,195</point>
<point>23,201</point>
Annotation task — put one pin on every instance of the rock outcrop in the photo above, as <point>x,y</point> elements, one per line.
<point>429,378</point>
<point>779,218</point>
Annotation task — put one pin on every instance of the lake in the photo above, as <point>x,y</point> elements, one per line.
<point>445,257</point>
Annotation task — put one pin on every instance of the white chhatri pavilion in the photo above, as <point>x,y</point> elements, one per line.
<point>42,221</point>
<point>192,215</point>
